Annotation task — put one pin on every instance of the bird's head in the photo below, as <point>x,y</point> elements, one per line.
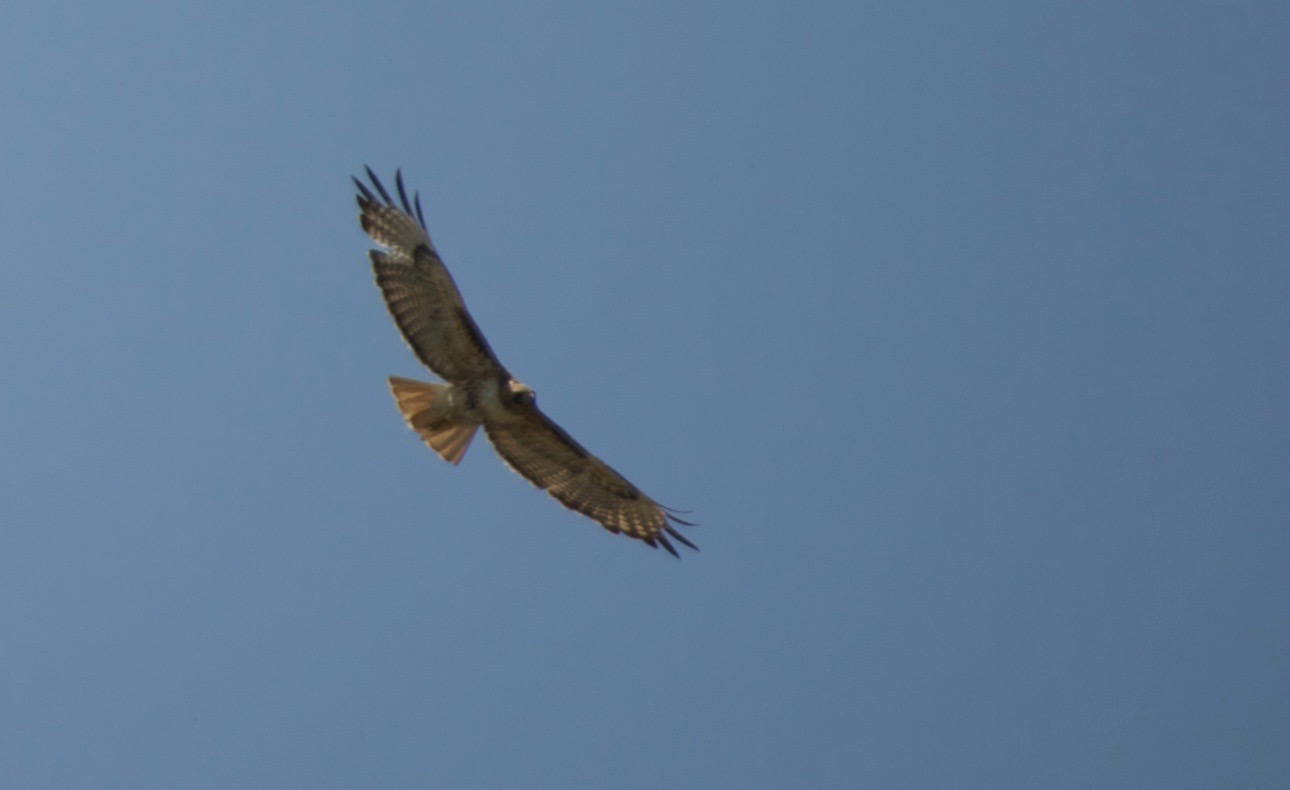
<point>518,394</point>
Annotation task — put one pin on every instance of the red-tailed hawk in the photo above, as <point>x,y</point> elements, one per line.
<point>428,309</point>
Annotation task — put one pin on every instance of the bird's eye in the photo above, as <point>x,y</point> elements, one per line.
<point>522,398</point>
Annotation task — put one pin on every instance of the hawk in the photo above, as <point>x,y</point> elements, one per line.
<point>479,391</point>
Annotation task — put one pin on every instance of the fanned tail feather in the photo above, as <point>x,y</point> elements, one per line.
<point>426,410</point>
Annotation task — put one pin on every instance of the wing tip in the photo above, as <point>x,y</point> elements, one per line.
<point>683,539</point>
<point>660,538</point>
<point>364,195</point>
<point>670,523</point>
<point>410,207</point>
<point>671,515</point>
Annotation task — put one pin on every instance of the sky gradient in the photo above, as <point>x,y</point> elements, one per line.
<point>960,328</point>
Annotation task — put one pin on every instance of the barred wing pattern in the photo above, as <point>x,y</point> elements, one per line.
<point>419,292</point>
<point>546,456</point>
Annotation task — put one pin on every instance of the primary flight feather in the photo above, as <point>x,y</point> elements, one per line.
<point>428,309</point>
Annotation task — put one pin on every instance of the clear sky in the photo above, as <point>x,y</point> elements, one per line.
<point>960,327</point>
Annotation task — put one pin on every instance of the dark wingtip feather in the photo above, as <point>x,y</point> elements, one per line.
<point>403,192</point>
<point>679,537</point>
<point>376,182</point>
<point>670,514</point>
<point>667,545</point>
<point>410,207</point>
<point>365,195</point>
<point>416,200</point>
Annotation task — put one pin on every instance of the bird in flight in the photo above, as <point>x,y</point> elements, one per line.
<point>479,391</point>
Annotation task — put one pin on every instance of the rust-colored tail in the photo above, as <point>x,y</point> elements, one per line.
<point>426,410</point>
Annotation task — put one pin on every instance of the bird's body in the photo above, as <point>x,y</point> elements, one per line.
<point>479,391</point>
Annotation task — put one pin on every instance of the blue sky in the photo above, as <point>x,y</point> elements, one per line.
<point>961,329</point>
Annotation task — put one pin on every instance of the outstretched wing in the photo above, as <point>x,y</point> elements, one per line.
<point>550,459</point>
<point>418,290</point>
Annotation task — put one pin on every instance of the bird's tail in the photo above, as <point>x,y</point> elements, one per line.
<point>428,408</point>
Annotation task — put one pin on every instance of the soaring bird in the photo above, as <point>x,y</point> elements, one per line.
<point>479,391</point>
